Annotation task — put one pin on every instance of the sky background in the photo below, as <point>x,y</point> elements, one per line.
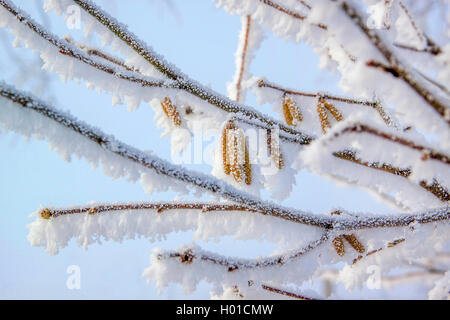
<point>201,40</point>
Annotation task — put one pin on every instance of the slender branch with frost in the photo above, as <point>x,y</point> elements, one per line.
<point>236,85</point>
<point>326,96</point>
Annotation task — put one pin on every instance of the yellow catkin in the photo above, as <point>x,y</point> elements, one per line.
<point>324,122</point>
<point>171,111</point>
<point>225,158</point>
<point>338,244</point>
<point>291,112</point>
<point>354,242</point>
<point>235,152</point>
<point>45,214</point>
<point>333,110</point>
<point>238,156</point>
<point>273,146</point>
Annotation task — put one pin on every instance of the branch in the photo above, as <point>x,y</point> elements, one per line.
<point>211,184</point>
<point>233,264</point>
<point>428,153</point>
<point>183,81</point>
<point>99,53</point>
<point>390,244</point>
<point>160,207</point>
<point>374,104</point>
<point>435,188</point>
<point>432,47</point>
<point>398,67</point>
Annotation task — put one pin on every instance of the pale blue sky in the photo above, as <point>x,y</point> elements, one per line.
<point>201,40</point>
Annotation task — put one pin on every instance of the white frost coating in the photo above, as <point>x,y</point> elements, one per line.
<point>165,271</point>
<point>379,14</point>
<point>68,143</point>
<point>201,114</point>
<point>250,38</point>
<point>406,192</point>
<point>441,290</point>
<point>423,241</point>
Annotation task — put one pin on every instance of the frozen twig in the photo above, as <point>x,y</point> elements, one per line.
<point>190,255</point>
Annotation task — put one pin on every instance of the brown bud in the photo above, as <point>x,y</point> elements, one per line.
<point>45,213</point>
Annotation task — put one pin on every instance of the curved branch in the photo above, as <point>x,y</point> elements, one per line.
<point>232,264</point>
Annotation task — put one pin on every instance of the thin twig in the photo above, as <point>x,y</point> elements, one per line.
<point>285,293</point>
<point>189,256</point>
<point>160,207</point>
<point>244,54</point>
<point>325,96</point>
<point>435,188</point>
